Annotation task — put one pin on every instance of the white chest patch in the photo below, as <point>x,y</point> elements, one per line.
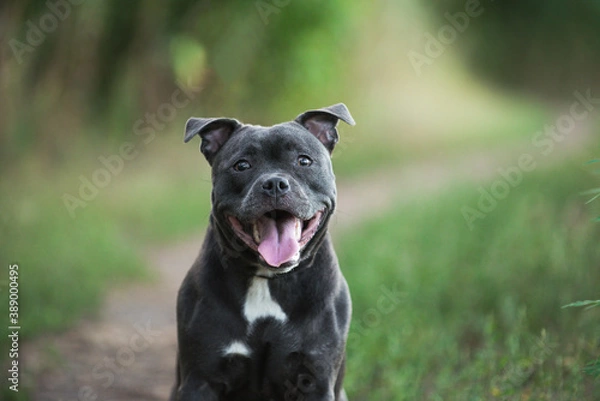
<point>237,347</point>
<point>259,302</point>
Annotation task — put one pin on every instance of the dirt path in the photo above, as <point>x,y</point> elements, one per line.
<point>128,352</point>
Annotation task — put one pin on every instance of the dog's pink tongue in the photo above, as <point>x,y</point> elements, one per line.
<point>279,243</point>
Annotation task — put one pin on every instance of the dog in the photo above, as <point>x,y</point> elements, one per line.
<point>263,313</point>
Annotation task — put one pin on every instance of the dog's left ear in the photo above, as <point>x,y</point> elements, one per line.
<point>213,131</point>
<point>322,122</point>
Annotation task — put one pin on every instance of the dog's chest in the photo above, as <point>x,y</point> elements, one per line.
<point>260,304</point>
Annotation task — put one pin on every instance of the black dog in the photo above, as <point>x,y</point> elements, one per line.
<point>263,313</point>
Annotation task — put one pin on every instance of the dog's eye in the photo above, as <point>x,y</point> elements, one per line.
<point>241,165</point>
<point>304,161</point>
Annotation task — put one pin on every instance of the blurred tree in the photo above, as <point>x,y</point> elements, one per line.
<point>74,62</point>
<point>120,25</point>
<point>548,48</point>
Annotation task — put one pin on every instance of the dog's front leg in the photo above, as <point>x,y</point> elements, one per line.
<point>195,390</point>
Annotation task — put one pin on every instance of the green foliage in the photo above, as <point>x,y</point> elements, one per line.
<point>527,45</point>
<point>250,60</point>
<point>595,192</point>
<point>65,265</point>
<point>188,59</point>
<point>477,319</point>
<point>587,304</point>
<point>593,368</point>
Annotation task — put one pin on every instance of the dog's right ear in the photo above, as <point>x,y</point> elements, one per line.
<point>322,122</point>
<point>213,131</point>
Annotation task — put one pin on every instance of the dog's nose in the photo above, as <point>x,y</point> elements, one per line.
<point>276,186</point>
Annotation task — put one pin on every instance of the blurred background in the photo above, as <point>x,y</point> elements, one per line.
<point>464,222</point>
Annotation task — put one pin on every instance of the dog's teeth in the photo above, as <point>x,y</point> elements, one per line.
<point>255,233</point>
<point>298,228</point>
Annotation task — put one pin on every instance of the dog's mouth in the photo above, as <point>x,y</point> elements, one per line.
<point>278,236</point>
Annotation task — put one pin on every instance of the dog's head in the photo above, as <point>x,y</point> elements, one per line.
<point>273,187</point>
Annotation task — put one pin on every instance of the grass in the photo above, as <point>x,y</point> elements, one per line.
<point>477,314</point>
<point>65,265</point>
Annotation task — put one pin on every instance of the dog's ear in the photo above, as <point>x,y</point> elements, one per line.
<point>322,122</point>
<point>213,131</point>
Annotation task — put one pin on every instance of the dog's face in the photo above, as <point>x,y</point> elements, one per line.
<point>273,187</point>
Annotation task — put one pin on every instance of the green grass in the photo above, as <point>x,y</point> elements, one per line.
<point>65,265</point>
<point>479,316</point>
<point>156,208</point>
